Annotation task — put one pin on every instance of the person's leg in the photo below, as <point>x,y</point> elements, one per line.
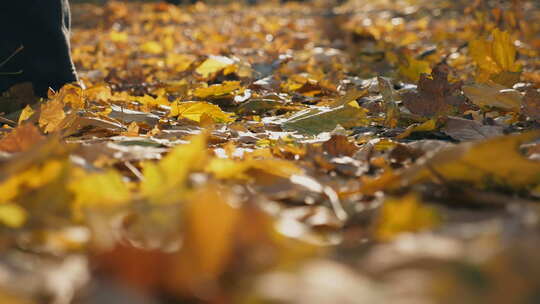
<point>42,27</point>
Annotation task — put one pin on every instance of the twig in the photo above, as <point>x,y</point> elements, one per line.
<point>17,51</point>
<point>8,121</point>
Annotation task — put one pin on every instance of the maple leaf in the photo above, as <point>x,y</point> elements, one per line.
<point>52,115</point>
<point>435,95</point>
<point>195,111</point>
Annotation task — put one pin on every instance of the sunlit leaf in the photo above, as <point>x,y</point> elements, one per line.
<point>225,88</point>
<point>213,65</point>
<point>196,109</point>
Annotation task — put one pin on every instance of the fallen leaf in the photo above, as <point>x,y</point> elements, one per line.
<point>51,116</point>
<point>113,191</point>
<point>21,139</point>
<point>26,113</point>
<point>213,65</point>
<point>322,119</point>
<point>435,95</point>
<point>468,130</point>
<point>194,110</point>
<point>218,90</point>
<point>493,95</point>
<point>428,125</point>
<point>531,104</point>
<point>477,163</point>
<point>407,214</point>
<point>412,68</point>
<point>164,180</point>
<point>339,145</point>
<point>211,221</point>
<point>496,59</point>
<point>391,108</point>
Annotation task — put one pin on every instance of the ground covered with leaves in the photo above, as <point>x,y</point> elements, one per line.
<point>372,152</point>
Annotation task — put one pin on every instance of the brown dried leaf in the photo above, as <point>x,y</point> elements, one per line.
<point>435,96</point>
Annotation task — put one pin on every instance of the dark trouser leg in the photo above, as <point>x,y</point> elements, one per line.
<point>42,27</point>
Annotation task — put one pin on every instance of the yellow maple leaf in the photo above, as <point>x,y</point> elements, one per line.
<point>52,114</point>
<point>407,214</point>
<point>194,110</point>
